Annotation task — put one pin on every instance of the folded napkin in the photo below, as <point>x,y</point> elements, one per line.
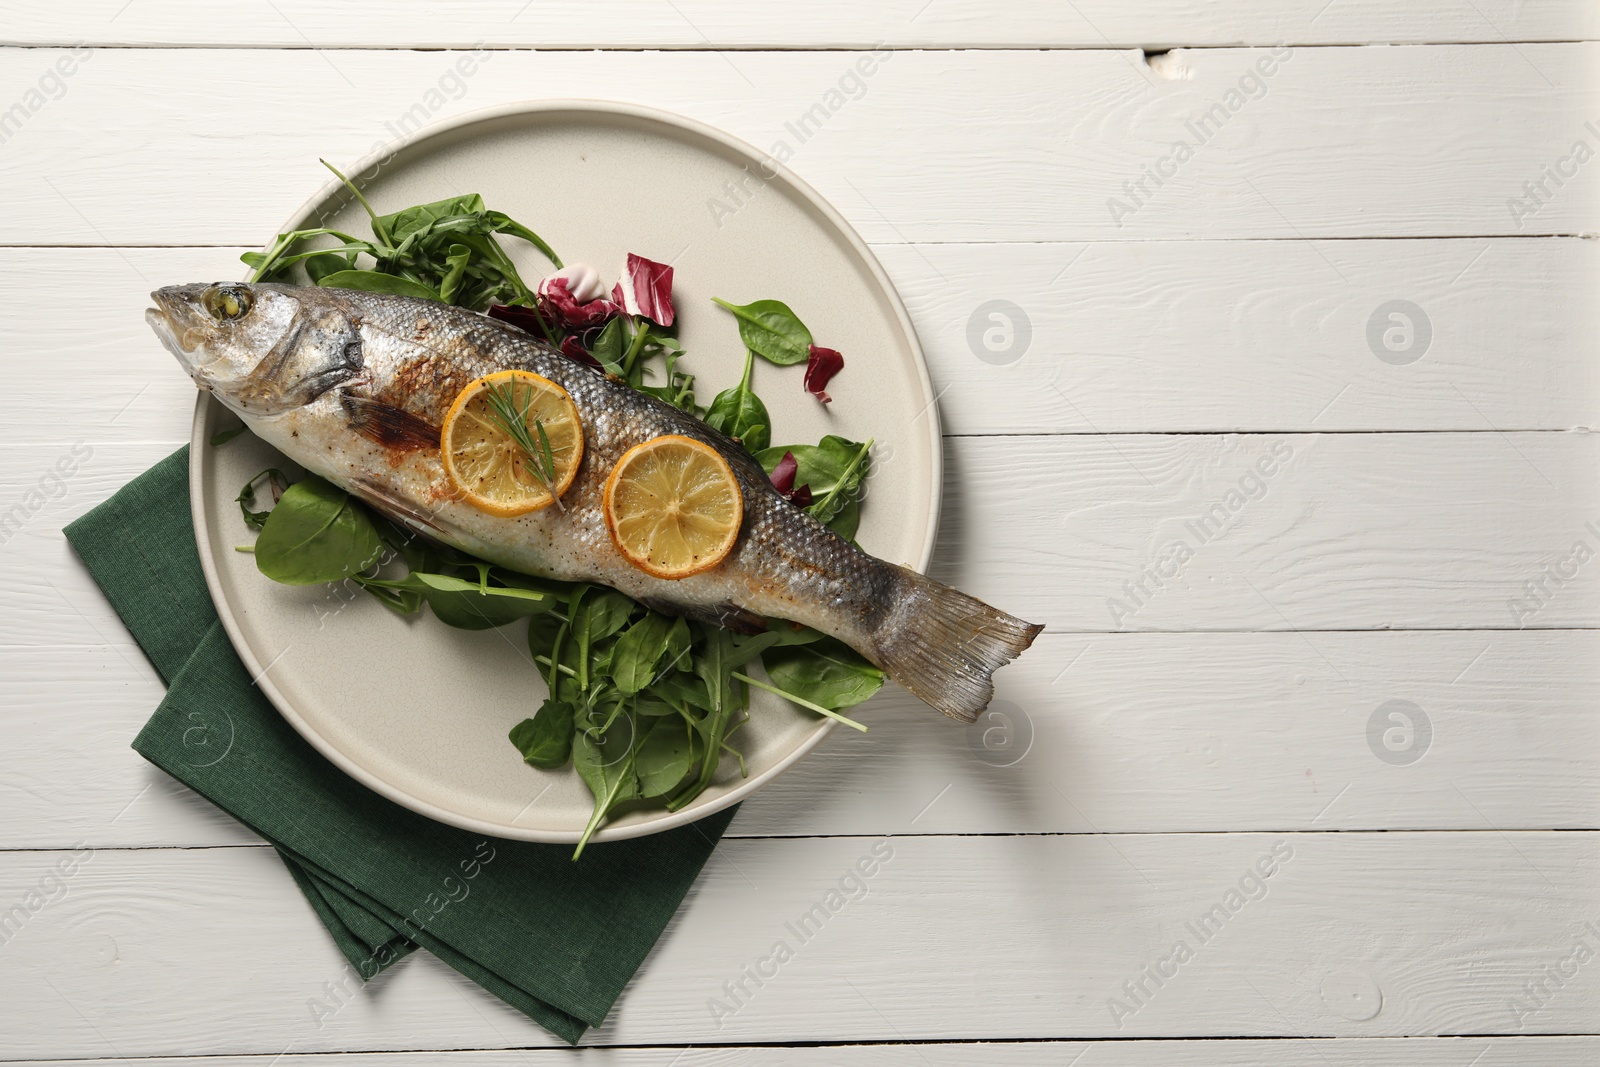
<point>555,939</point>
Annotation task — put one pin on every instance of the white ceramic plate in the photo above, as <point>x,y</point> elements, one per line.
<point>419,711</point>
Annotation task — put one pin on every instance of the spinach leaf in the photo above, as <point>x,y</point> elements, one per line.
<point>322,264</point>
<point>604,613</point>
<point>546,739</point>
<point>742,650</point>
<point>608,346</point>
<point>740,414</point>
<point>222,437</point>
<point>770,330</point>
<point>681,688</point>
<point>677,649</point>
<point>638,650</point>
<point>847,520</point>
<point>316,534</point>
<point>664,760</point>
<point>468,605</point>
<point>835,469</point>
<point>650,705</point>
<point>792,633</point>
<point>826,672</point>
<point>606,763</point>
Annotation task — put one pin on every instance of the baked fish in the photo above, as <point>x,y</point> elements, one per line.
<point>355,386</point>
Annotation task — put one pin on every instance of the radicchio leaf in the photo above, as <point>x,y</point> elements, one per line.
<point>783,481</point>
<point>561,303</point>
<point>645,289</point>
<point>574,350</point>
<point>526,318</point>
<point>821,365</point>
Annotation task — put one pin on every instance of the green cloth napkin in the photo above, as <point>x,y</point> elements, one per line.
<point>555,939</point>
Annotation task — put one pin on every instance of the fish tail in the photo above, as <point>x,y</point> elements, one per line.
<point>944,646</point>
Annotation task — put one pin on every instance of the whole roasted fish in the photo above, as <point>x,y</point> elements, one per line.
<point>354,386</point>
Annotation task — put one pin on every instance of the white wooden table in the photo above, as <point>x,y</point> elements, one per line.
<point>1353,325</point>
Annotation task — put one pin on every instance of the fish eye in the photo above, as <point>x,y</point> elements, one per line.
<point>227,302</point>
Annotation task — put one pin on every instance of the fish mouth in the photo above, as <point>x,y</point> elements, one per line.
<point>180,337</point>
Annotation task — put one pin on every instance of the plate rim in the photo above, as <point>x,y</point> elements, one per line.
<point>199,441</point>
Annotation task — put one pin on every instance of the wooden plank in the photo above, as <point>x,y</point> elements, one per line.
<point>1110,337</point>
<point>833,24</point>
<point>1263,735</point>
<point>211,951</point>
<point>1292,532</point>
<point>937,146</point>
<point>1137,336</point>
<point>1115,534</point>
<point>1313,1052</point>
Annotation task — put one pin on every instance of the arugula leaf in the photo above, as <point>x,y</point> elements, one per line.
<point>396,227</point>
<point>443,250</point>
<point>455,270</point>
<point>714,666</point>
<point>772,331</point>
<point>316,534</point>
<point>373,282</point>
<point>277,482</point>
<point>504,223</point>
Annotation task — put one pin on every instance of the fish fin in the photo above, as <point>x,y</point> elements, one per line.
<point>727,615</point>
<point>944,646</point>
<point>400,510</point>
<point>388,425</point>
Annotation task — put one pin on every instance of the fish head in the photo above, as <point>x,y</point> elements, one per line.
<point>262,349</point>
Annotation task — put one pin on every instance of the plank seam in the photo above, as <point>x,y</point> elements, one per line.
<point>732,836</point>
<point>1113,48</point>
<point>858,1043</point>
<point>1553,236</point>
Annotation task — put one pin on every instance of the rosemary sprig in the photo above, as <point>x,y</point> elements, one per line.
<point>513,419</point>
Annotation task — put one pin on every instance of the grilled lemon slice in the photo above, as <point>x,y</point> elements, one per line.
<point>493,452</point>
<point>673,507</point>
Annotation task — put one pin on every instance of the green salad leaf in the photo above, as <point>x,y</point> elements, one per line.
<point>825,672</point>
<point>772,331</point>
<point>546,739</point>
<point>740,414</point>
<point>316,534</point>
<point>835,469</point>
